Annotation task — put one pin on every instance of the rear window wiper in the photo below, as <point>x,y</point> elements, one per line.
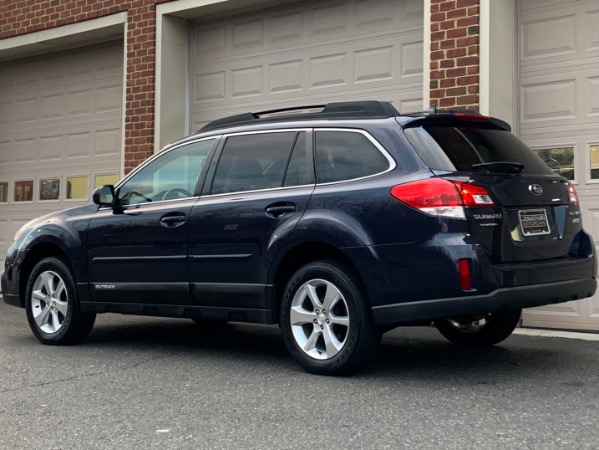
<point>508,166</point>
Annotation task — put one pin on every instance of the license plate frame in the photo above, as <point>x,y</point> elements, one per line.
<point>534,222</point>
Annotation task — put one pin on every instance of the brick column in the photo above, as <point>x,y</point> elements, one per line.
<point>140,82</point>
<point>454,67</point>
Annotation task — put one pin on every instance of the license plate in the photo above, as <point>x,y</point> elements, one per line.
<point>534,222</point>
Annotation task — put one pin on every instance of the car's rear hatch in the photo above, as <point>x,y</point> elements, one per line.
<point>532,213</point>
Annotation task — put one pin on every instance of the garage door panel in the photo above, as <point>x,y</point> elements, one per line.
<point>559,107</point>
<point>308,53</point>
<point>563,33</point>
<point>549,37</point>
<point>60,117</point>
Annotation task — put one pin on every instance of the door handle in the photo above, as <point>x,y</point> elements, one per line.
<point>279,209</point>
<point>173,220</point>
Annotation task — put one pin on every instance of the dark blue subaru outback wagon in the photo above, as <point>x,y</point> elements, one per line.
<point>337,222</point>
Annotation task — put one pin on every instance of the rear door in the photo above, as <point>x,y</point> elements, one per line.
<point>260,188</point>
<point>535,215</point>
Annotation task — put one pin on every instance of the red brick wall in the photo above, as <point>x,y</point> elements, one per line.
<point>454,69</point>
<point>19,17</point>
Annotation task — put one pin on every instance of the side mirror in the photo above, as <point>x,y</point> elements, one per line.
<point>104,195</point>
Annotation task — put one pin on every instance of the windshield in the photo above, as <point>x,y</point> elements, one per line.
<point>458,149</point>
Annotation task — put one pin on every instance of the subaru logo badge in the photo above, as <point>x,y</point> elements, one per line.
<point>535,189</point>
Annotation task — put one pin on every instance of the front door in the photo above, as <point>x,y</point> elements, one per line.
<point>137,250</point>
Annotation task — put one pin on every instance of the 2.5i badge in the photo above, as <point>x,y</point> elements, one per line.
<point>533,222</point>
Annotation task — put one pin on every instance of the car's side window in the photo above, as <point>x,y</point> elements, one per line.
<point>300,168</point>
<point>345,155</point>
<point>254,161</point>
<point>171,176</point>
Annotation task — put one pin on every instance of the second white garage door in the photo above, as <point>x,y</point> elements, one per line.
<point>559,104</point>
<point>308,53</point>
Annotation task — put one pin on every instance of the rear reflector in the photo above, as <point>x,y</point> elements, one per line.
<point>572,194</point>
<point>464,270</point>
<point>440,197</point>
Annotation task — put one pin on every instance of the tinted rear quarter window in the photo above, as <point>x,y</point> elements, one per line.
<point>459,148</point>
<point>346,155</point>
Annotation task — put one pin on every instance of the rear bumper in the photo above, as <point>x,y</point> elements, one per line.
<point>504,299</point>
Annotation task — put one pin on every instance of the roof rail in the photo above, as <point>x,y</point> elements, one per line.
<point>370,109</point>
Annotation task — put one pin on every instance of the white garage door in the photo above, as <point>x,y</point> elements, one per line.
<point>559,118</point>
<point>308,53</point>
<point>60,131</point>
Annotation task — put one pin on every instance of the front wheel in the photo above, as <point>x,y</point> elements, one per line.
<point>52,305</point>
<point>481,330</point>
<point>326,319</point>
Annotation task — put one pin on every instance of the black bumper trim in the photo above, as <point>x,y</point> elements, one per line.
<point>11,299</point>
<point>513,298</point>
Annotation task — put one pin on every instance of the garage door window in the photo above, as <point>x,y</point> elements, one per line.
<point>23,191</point>
<point>49,189</point>
<point>77,188</point>
<point>3,192</point>
<point>559,159</point>
<point>103,180</point>
<point>594,163</point>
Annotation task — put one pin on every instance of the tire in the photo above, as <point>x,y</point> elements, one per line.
<point>479,331</point>
<point>52,305</point>
<point>326,320</point>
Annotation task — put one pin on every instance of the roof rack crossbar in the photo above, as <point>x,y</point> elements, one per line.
<point>346,110</point>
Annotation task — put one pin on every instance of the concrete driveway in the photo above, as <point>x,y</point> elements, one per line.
<point>162,383</point>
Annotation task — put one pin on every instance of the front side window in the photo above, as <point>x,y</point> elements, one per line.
<point>171,176</point>
<point>346,155</point>
<point>259,161</point>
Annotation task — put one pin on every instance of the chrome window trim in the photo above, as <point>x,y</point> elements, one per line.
<point>373,141</point>
<point>282,188</point>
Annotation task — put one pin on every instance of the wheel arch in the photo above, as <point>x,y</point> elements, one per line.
<point>298,256</point>
<point>34,255</point>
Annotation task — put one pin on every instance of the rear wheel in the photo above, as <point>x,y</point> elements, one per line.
<point>326,319</point>
<point>52,305</point>
<point>479,331</point>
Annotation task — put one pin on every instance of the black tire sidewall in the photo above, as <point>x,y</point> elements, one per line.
<point>361,333</point>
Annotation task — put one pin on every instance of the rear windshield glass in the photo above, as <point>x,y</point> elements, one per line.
<point>459,148</point>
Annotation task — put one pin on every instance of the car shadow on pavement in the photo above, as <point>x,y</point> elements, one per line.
<point>404,353</point>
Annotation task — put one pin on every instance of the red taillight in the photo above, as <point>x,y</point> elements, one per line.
<point>440,197</point>
<point>474,195</point>
<point>572,194</point>
<point>464,271</point>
